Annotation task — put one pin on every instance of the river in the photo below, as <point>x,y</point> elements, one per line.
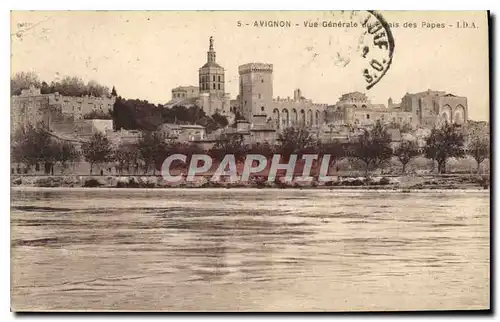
<point>249,250</point>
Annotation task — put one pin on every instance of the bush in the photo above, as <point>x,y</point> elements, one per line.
<point>120,184</point>
<point>92,183</point>
<point>48,182</point>
<point>384,181</point>
<point>368,181</point>
<point>484,181</point>
<point>132,183</point>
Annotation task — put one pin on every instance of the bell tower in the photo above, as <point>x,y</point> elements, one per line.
<point>211,75</point>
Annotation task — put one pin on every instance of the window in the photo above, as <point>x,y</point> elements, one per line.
<point>367,116</point>
<point>214,86</point>
<point>260,96</point>
<point>219,78</point>
<point>214,78</point>
<point>262,108</point>
<point>262,81</point>
<point>218,86</point>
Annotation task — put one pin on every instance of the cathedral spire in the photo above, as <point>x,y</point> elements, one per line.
<point>211,52</point>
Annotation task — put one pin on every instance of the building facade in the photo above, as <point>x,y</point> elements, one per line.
<point>46,109</point>
<point>356,109</point>
<point>424,109</point>
<point>185,92</point>
<point>211,75</point>
<point>433,108</point>
<point>256,99</point>
<point>210,93</point>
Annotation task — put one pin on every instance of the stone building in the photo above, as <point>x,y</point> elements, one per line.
<point>433,108</point>
<point>256,99</point>
<point>357,110</point>
<point>46,109</point>
<point>424,109</point>
<point>30,107</point>
<point>210,94</point>
<point>259,131</point>
<point>183,132</point>
<point>298,111</point>
<point>213,98</point>
<point>185,92</point>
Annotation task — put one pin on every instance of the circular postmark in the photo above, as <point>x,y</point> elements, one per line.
<point>377,48</point>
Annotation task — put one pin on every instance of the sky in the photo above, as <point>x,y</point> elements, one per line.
<point>145,54</point>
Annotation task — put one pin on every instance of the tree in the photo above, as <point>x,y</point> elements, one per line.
<point>152,148</point>
<point>31,145</point>
<point>23,80</point>
<point>406,128</point>
<point>66,153</point>
<point>229,144</point>
<point>113,92</point>
<point>264,149</point>
<point>295,140</point>
<point>183,148</point>
<point>126,156</point>
<point>93,88</point>
<point>334,149</point>
<point>479,148</point>
<point>99,115</point>
<point>405,152</point>
<point>97,150</point>
<point>68,85</point>
<point>373,147</point>
<point>220,120</point>
<point>444,143</point>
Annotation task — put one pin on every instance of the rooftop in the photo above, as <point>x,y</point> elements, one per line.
<point>212,64</point>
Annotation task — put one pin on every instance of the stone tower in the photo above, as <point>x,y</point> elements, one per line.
<point>211,75</point>
<point>256,89</point>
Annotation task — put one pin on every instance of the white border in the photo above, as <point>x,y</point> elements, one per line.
<point>8,5</point>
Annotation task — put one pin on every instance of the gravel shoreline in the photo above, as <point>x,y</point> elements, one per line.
<point>427,182</point>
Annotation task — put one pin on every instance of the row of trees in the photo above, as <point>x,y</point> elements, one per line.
<point>33,146</point>
<point>373,149</point>
<point>68,85</point>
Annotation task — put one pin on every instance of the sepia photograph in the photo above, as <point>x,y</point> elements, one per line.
<point>250,161</point>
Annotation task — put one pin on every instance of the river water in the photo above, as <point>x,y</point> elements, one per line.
<point>248,250</point>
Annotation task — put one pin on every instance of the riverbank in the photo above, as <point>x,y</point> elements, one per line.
<point>441,182</point>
